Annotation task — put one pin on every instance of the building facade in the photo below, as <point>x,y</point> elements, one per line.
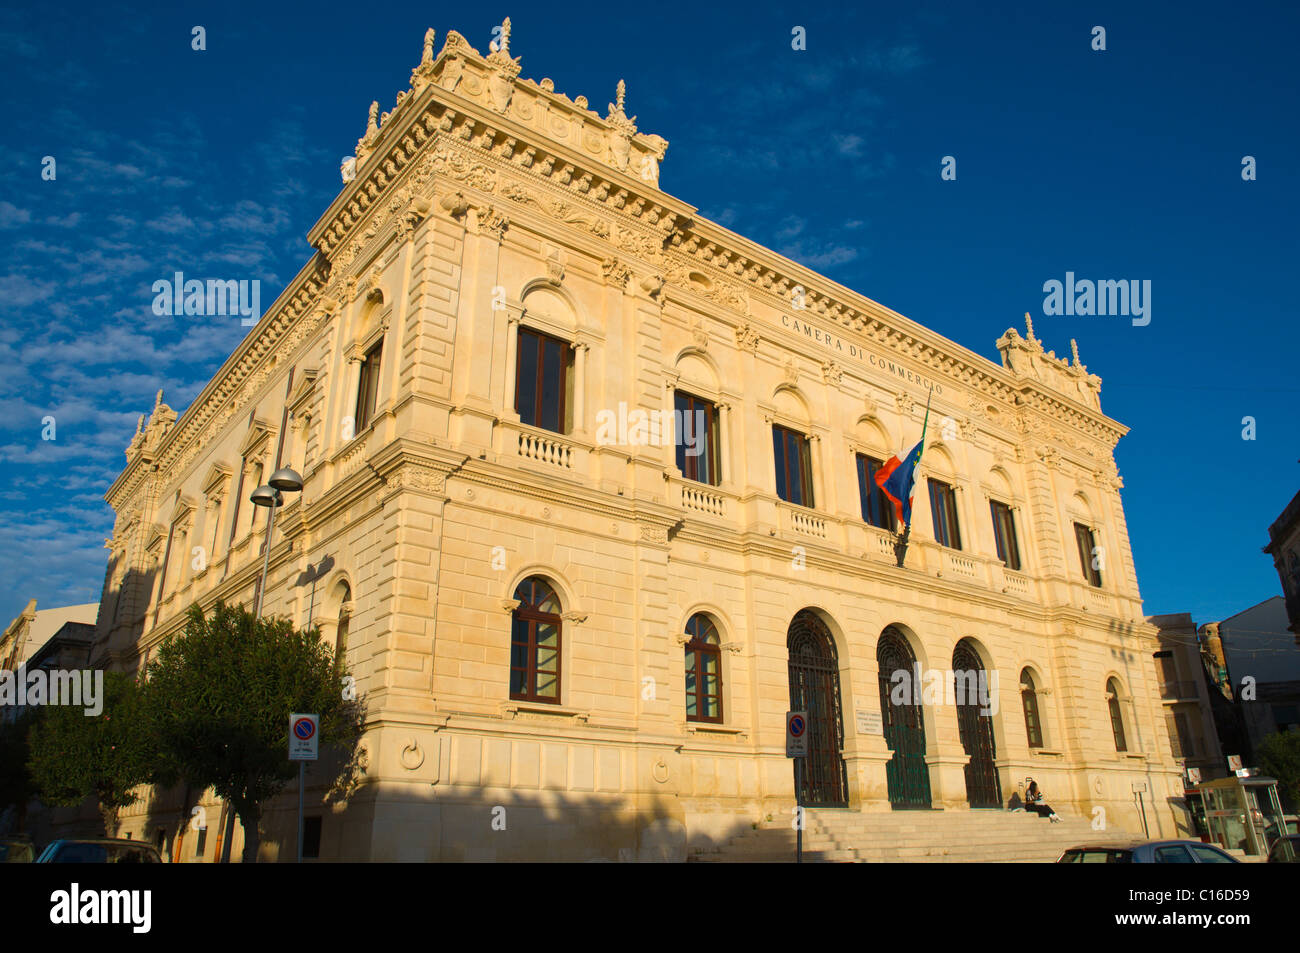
<point>1262,664</point>
<point>28,633</point>
<point>1284,547</point>
<point>594,477</point>
<point>1185,694</point>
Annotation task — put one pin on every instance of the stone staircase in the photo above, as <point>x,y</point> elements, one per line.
<point>923,837</point>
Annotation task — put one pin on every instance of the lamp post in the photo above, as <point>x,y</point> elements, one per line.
<point>270,494</point>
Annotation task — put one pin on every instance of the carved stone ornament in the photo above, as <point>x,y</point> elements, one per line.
<point>423,74</point>
<point>832,373</point>
<point>747,338</point>
<point>554,270</point>
<point>501,83</point>
<point>491,222</point>
<point>412,755</point>
<point>654,534</point>
<point>454,204</point>
<point>421,478</point>
<point>616,272</point>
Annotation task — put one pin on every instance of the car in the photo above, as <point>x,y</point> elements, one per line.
<point>1148,852</point>
<point>99,851</point>
<point>16,849</point>
<point>1286,850</point>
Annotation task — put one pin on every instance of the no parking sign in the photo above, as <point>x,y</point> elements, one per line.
<point>796,734</point>
<point>303,737</point>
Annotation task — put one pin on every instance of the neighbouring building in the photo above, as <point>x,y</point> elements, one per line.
<point>1261,663</point>
<point>595,475</point>
<point>1284,547</point>
<point>33,628</point>
<point>1185,694</point>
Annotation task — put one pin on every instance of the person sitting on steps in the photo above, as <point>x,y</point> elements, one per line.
<point>1034,802</point>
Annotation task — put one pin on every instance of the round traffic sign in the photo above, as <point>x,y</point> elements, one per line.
<point>797,726</point>
<point>304,728</point>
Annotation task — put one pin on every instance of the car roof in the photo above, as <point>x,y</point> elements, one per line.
<point>1118,845</point>
<point>110,841</point>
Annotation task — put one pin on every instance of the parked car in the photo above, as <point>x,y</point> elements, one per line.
<point>99,851</point>
<point>1286,850</point>
<point>16,849</point>
<point>1149,852</point>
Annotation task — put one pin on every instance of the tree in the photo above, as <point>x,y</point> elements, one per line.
<point>74,756</point>
<point>219,698</point>
<point>1279,756</point>
<point>16,784</point>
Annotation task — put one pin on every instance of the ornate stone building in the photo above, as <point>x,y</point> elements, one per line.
<point>553,609</point>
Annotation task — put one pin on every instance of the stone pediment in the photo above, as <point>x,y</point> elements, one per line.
<point>300,397</point>
<point>259,435</point>
<point>214,482</point>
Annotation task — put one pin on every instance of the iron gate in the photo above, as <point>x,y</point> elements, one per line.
<point>906,772</point>
<point>976,730</point>
<point>815,688</point>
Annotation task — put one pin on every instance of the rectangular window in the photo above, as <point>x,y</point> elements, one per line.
<point>202,843</point>
<point>544,381</point>
<point>368,388</point>
<point>697,447</point>
<point>877,509</point>
<point>793,466</point>
<point>1004,533</point>
<point>943,507</point>
<point>311,827</point>
<point>1089,558</point>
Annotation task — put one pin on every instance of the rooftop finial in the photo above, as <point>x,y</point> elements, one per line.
<point>1074,349</point>
<point>427,59</point>
<point>372,123</point>
<point>620,94</point>
<point>505,36</point>
<point>157,402</point>
<point>1029,324</point>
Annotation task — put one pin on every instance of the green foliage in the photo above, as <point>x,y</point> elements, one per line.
<point>16,784</point>
<point>219,698</point>
<point>74,756</point>
<point>1279,757</point>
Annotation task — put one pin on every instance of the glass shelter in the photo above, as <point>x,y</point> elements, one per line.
<point>1243,813</point>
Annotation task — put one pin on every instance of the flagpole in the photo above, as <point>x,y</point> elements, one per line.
<point>900,548</point>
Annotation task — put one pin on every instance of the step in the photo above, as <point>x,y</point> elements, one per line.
<point>981,836</point>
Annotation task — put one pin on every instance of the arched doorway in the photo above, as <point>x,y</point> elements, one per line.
<point>823,780</point>
<point>906,772</point>
<point>975,727</point>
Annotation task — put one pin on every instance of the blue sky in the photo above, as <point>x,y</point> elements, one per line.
<point>1117,164</point>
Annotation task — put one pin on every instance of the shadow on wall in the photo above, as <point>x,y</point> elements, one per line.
<point>408,823</point>
<point>123,612</point>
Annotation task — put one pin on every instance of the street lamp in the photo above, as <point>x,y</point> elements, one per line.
<point>269,494</point>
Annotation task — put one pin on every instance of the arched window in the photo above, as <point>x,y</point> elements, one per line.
<point>345,617</point>
<point>703,670</point>
<point>1116,715</point>
<point>535,643</point>
<point>1029,699</point>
